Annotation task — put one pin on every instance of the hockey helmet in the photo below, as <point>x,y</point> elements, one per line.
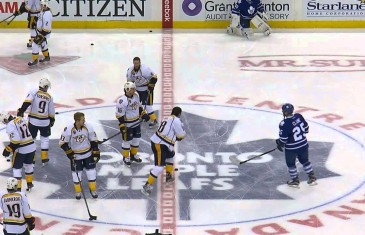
<point>45,3</point>
<point>4,116</point>
<point>129,85</point>
<point>287,109</point>
<point>12,184</point>
<point>44,83</point>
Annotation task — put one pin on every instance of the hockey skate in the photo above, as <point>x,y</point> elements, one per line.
<point>44,161</point>
<point>127,161</point>
<point>229,30</point>
<point>78,196</point>
<point>147,189</point>
<point>45,59</point>
<point>294,182</point>
<point>135,159</point>
<point>247,33</point>
<point>32,63</point>
<point>94,194</point>
<point>312,179</point>
<point>30,186</point>
<point>267,32</point>
<point>169,178</point>
<point>153,124</point>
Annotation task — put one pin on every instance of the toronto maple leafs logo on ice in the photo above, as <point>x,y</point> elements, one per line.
<point>205,171</point>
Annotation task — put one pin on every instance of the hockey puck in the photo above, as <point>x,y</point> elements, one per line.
<point>92,44</point>
<point>176,169</point>
<point>150,31</point>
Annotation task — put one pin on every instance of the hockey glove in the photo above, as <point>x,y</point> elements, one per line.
<point>151,87</point>
<point>96,155</point>
<point>20,113</point>
<point>21,10</point>
<point>70,154</point>
<point>7,151</point>
<point>279,145</point>
<point>143,114</point>
<point>39,39</point>
<point>31,223</point>
<point>52,120</point>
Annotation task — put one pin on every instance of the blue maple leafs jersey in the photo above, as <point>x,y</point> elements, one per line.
<point>292,132</point>
<point>247,9</point>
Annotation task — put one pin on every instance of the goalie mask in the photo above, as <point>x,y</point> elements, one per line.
<point>44,83</point>
<point>12,184</point>
<point>4,117</point>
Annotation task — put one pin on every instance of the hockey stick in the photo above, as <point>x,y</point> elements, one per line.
<point>6,18</point>
<point>116,134</point>
<point>91,217</point>
<point>237,162</point>
<point>11,20</point>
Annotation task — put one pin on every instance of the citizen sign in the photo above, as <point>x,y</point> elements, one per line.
<point>302,63</point>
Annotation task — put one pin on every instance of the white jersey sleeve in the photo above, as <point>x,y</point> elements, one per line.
<point>92,134</point>
<point>44,23</point>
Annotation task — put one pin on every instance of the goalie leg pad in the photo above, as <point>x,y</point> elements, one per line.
<point>261,25</point>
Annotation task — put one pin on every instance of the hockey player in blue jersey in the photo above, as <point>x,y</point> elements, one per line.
<point>292,139</point>
<point>244,12</point>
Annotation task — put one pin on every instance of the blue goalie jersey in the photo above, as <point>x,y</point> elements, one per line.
<point>247,9</point>
<point>292,132</point>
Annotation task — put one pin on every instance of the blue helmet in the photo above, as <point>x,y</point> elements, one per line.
<point>287,109</point>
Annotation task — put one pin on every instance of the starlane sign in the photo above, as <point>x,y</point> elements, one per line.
<point>344,9</point>
<point>302,63</point>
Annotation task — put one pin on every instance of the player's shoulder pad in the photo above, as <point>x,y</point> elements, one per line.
<point>88,126</point>
<point>282,123</point>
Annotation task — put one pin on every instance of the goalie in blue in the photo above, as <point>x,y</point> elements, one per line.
<point>244,12</point>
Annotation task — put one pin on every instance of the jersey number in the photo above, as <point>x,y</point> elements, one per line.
<point>162,126</point>
<point>14,210</point>
<point>25,131</point>
<point>299,132</point>
<point>42,106</point>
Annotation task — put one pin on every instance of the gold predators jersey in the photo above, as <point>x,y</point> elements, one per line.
<point>79,140</point>
<point>129,108</point>
<point>170,130</point>
<point>19,134</point>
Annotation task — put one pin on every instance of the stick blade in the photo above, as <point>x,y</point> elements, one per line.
<point>93,217</point>
<point>234,160</point>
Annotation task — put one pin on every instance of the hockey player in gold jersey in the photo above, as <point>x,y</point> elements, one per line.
<point>80,143</point>
<point>44,27</point>
<point>162,145</point>
<point>128,112</point>
<point>21,146</point>
<point>17,216</point>
<point>41,116</point>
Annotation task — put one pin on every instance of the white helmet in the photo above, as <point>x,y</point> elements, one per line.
<point>44,82</point>
<point>12,183</point>
<point>129,85</point>
<point>45,3</point>
<point>4,116</point>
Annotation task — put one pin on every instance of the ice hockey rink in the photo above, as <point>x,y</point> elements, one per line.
<point>230,91</point>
